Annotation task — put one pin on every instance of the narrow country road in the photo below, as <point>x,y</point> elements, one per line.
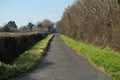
<point>62,63</point>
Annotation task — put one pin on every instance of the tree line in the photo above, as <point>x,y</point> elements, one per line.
<point>44,26</point>
<point>93,21</point>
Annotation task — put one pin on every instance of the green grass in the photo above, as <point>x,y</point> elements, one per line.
<point>25,62</point>
<point>105,60</point>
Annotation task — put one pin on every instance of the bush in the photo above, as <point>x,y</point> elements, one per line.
<point>12,46</point>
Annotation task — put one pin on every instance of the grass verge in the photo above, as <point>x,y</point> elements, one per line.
<point>25,62</point>
<point>105,60</point>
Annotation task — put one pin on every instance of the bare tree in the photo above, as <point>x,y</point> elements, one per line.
<point>46,24</point>
<point>93,21</point>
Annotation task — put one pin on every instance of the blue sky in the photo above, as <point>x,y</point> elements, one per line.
<point>24,11</point>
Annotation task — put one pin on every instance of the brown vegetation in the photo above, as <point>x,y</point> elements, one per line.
<point>14,44</point>
<point>93,21</point>
<point>14,41</point>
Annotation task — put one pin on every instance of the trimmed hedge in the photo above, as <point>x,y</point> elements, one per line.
<point>25,62</point>
<point>13,45</point>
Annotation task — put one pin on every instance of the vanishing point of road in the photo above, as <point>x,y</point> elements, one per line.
<point>62,63</point>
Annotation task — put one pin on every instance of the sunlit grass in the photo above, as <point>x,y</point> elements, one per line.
<point>25,62</point>
<point>105,59</point>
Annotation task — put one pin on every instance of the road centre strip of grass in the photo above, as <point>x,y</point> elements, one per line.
<point>105,60</point>
<point>25,62</point>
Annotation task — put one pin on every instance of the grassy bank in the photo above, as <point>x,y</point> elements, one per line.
<point>25,62</point>
<point>105,59</point>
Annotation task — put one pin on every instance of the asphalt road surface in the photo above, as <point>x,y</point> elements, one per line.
<point>62,63</point>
